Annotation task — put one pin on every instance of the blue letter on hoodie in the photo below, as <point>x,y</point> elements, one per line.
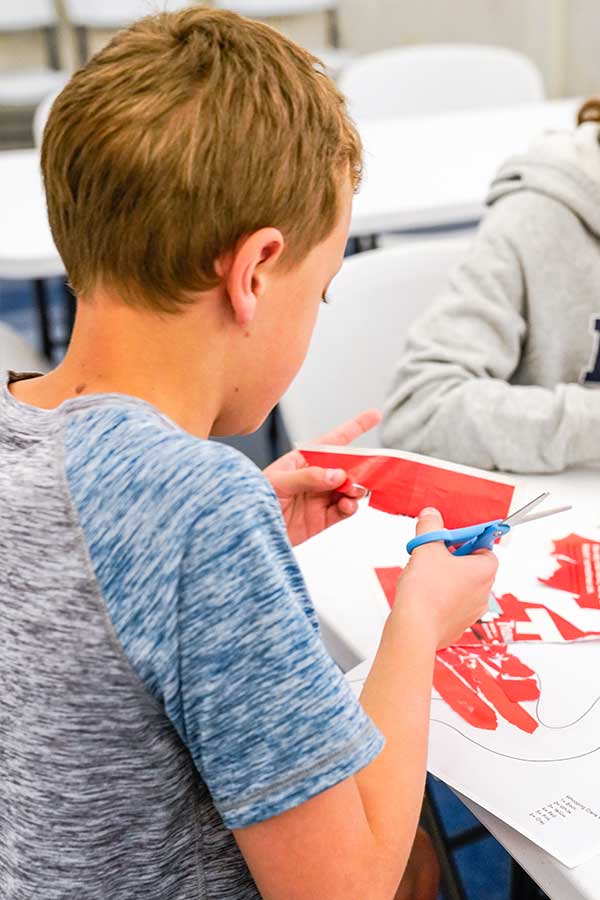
<point>593,375</point>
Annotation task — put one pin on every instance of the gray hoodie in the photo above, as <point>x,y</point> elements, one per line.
<point>500,370</point>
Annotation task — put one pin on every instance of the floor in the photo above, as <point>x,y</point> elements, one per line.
<point>484,865</point>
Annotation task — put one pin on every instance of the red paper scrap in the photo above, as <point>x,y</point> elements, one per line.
<point>459,695</point>
<point>578,569</point>
<point>404,487</point>
<point>515,624</point>
<point>480,681</point>
<point>388,579</point>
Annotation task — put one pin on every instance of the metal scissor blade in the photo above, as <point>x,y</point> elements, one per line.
<point>541,515</point>
<point>516,517</point>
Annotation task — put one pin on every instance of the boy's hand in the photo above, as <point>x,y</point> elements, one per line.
<point>307,494</point>
<point>440,594</point>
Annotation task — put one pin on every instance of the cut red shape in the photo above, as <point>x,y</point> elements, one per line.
<point>405,486</point>
<point>478,680</point>
<point>493,689</point>
<point>388,579</point>
<point>578,569</point>
<point>504,629</point>
<point>486,673</point>
<point>463,699</point>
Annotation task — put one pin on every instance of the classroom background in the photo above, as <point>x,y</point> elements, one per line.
<point>554,41</point>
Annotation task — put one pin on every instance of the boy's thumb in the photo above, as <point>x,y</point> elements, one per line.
<point>429,520</point>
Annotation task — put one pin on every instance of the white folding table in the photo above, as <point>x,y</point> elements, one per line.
<point>27,250</point>
<point>579,487</point>
<point>26,246</point>
<point>420,172</point>
<point>434,171</point>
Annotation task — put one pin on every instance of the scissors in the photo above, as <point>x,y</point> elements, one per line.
<point>461,541</point>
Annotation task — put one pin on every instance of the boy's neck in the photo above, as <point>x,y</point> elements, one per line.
<point>169,360</point>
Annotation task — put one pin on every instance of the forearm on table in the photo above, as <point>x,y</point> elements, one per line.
<point>489,423</point>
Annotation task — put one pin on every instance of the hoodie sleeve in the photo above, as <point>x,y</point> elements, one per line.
<point>451,397</point>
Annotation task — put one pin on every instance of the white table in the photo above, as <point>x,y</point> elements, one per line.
<point>27,250</point>
<point>420,171</point>
<point>426,171</point>
<point>581,488</point>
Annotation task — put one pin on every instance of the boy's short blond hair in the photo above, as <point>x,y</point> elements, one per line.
<point>186,132</point>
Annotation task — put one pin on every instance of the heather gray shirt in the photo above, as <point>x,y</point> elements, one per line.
<point>162,680</point>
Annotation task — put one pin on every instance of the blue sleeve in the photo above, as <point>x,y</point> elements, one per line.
<point>193,562</point>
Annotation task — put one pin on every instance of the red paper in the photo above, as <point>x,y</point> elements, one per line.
<point>479,681</point>
<point>502,629</point>
<point>578,569</point>
<point>404,487</point>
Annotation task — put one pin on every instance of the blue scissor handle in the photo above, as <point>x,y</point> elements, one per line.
<point>464,540</point>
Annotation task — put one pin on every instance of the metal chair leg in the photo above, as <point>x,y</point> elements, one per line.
<point>333,28</point>
<point>43,317</point>
<point>366,242</point>
<point>51,38</point>
<point>432,822</point>
<point>522,887</point>
<point>69,316</point>
<point>83,50</point>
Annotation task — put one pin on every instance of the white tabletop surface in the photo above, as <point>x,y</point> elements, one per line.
<point>419,172</point>
<point>581,488</point>
<point>424,171</point>
<point>26,246</point>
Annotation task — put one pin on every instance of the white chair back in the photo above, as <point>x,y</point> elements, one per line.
<point>27,15</point>
<point>263,9</point>
<point>438,78</point>
<point>359,337</point>
<point>17,354</point>
<point>116,13</point>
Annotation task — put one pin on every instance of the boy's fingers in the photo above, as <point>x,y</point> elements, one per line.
<point>312,479</point>
<point>347,507</point>
<point>430,519</point>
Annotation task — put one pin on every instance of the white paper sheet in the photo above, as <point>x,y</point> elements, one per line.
<point>545,784</point>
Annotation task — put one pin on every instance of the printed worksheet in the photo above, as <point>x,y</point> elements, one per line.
<point>544,782</point>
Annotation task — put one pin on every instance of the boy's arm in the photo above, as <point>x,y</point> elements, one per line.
<point>451,397</point>
<point>352,841</point>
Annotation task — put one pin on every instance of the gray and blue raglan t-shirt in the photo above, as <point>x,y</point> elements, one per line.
<point>162,679</point>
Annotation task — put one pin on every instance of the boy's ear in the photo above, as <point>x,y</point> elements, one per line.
<point>246,271</point>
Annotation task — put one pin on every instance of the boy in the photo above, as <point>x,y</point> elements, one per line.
<point>500,371</point>
<point>171,725</point>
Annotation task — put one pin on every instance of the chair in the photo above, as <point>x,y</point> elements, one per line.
<point>23,88</point>
<point>17,354</point>
<point>437,78</point>
<point>111,14</point>
<point>359,338</point>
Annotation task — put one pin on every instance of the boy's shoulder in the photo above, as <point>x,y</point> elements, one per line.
<point>128,447</point>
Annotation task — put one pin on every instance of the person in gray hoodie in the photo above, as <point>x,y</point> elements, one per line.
<point>500,370</point>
